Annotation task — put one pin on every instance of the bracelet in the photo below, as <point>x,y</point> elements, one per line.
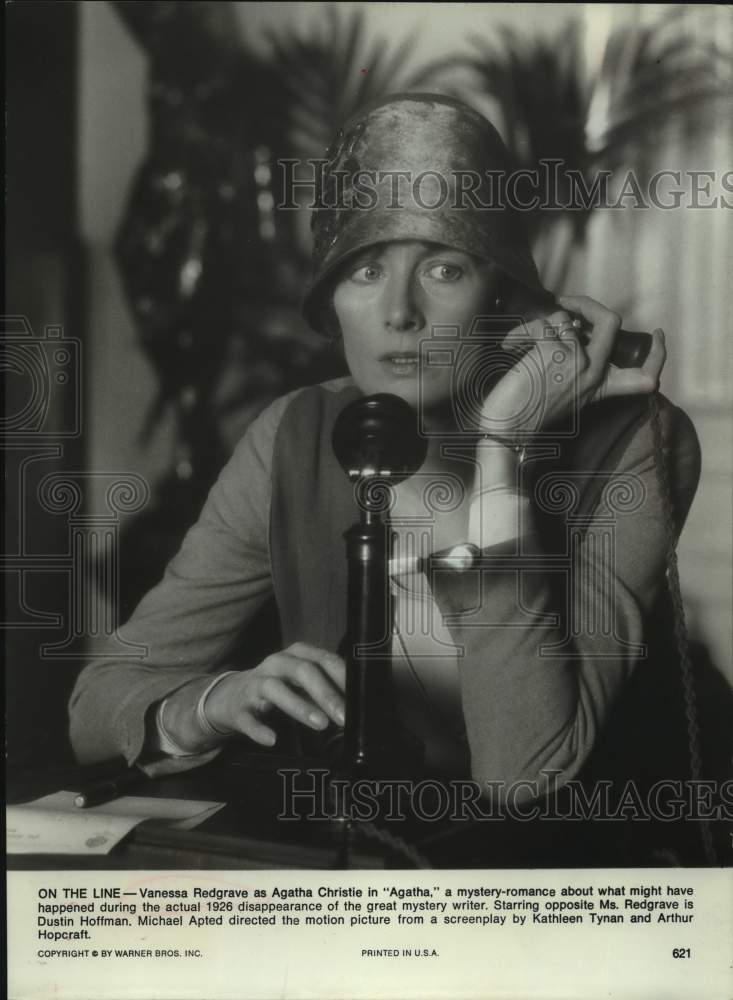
<point>167,744</point>
<point>201,718</point>
<point>520,450</point>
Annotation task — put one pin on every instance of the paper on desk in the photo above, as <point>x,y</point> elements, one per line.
<point>54,825</point>
<point>181,814</point>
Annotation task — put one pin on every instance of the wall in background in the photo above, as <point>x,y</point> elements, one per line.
<point>672,269</point>
<point>663,269</point>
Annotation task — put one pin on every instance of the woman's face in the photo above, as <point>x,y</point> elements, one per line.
<point>391,296</point>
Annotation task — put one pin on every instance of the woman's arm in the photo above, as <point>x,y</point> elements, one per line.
<point>536,694</point>
<point>545,652</point>
<point>190,621</point>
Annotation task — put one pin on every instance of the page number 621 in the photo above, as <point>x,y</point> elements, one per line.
<point>681,953</point>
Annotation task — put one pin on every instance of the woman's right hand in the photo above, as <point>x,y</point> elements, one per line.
<point>304,682</point>
<point>561,372</point>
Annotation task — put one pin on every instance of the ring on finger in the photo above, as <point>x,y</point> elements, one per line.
<point>568,329</point>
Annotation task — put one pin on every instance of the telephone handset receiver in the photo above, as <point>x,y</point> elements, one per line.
<point>630,350</point>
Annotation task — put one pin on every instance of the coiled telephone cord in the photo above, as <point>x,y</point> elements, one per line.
<point>680,623</point>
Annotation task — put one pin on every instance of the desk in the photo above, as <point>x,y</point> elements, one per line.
<point>247,833</point>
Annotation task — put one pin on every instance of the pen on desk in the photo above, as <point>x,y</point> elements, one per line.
<point>103,791</point>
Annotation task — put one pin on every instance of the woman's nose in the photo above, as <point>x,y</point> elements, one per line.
<point>402,311</point>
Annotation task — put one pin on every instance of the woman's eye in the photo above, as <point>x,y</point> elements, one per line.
<point>445,272</point>
<point>366,273</point>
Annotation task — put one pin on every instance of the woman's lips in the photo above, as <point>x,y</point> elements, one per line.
<point>401,363</point>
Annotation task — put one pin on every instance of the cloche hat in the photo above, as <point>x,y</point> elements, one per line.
<point>422,167</point>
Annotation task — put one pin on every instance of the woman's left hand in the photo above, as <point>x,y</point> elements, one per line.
<point>560,372</point>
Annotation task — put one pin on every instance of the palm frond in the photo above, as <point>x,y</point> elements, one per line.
<point>332,71</point>
<point>651,75</point>
<point>550,108</point>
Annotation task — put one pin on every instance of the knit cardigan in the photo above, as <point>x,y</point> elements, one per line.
<point>544,653</point>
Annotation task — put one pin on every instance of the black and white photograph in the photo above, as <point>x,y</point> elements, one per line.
<point>368,500</point>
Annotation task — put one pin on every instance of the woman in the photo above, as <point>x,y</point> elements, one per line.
<point>511,676</point>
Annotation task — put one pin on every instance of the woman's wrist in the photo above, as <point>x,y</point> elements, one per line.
<point>203,719</point>
<point>186,722</point>
<point>498,515</point>
<point>500,509</point>
<point>498,463</point>
<point>163,741</point>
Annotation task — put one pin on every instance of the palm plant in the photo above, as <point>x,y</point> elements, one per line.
<point>552,107</point>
